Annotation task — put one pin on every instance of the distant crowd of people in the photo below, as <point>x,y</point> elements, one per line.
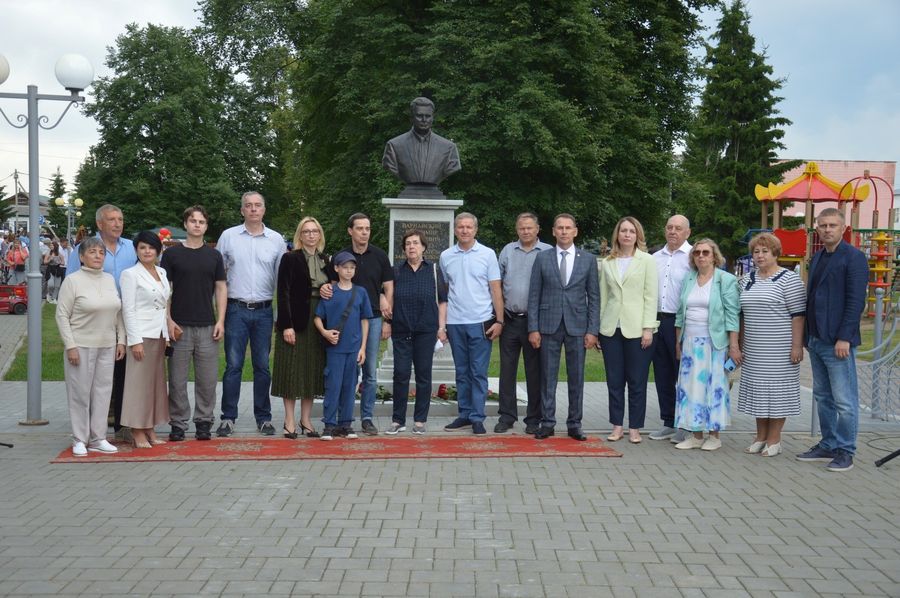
<point>123,306</point>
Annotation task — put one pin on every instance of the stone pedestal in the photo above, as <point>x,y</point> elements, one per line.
<point>435,218</point>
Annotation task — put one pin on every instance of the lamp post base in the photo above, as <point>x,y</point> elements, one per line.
<point>34,422</point>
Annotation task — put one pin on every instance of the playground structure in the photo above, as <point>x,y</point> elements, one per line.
<point>812,187</point>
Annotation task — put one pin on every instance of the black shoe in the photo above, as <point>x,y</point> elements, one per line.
<point>369,428</point>
<point>345,432</point>
<point>545,432</point>
<point>226,428</point>
<point>532,429</point>
<point>457,424</point>
<point>577,434</point>
<point>478,428</point>
<point>308,432</point>
<point>203,430</point>
<point>502,427</point>
<point>176,435</point>
<point>266,429</point>
<point>290,435</point>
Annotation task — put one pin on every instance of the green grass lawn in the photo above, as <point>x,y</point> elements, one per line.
<point>52,359</point>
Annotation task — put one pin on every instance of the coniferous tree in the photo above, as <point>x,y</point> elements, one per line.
<point>733,141</point>
<point>56,214</point>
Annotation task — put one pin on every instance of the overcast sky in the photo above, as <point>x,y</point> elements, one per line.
<point>839,59</point>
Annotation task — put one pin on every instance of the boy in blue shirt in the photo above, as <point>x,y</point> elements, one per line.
<point>343,322</point>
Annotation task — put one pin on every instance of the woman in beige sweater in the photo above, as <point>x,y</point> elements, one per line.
<point>89,317</point>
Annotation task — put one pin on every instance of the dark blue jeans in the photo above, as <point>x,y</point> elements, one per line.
<point>244,325</point>
<point>626,363</point>
<point>340,388</point>
<point>471,357</point>
<point>412,349</point>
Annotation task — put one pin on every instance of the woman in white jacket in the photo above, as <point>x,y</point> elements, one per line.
<point>145,296</point>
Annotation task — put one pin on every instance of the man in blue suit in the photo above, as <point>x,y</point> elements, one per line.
<point>836,295</point>
<point>563,310</point>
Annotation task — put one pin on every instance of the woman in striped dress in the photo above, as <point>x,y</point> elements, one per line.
<point>773,304</point>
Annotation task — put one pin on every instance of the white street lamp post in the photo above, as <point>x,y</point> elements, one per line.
<point>71,212</point>
<point>75,73</point>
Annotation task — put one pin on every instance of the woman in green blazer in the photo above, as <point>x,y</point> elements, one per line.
<point>707,324</point>
<point>628,293</point>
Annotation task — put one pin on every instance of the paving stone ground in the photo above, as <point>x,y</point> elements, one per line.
<point>656,522</point>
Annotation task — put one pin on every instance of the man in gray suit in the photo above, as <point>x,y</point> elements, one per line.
<point>563,309</point>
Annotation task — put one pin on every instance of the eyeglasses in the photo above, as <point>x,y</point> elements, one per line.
<point>312,231</point>
<point>703,252</point>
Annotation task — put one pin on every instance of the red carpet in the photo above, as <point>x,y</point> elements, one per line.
<point>381,447</point>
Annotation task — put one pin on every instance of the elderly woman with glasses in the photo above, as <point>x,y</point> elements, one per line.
<point>707,324</point>
<point>89,317</point>
<point>299,364</point>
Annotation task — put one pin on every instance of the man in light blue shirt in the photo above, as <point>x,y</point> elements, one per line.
<point>471,318</point>
<point>120,253</point>
<point>120,256</point>
<point>251,252</point>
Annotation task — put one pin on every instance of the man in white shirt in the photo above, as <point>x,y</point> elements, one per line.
<point>251,252</point>
<point>672,265</point>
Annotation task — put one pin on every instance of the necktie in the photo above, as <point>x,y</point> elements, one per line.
<point>563,270</point>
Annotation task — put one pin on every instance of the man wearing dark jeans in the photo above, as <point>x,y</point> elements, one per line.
<point>516,260</point>
<point>672,265</point>
<point>251,252</point>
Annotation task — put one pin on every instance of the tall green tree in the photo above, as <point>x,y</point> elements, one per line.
<point>555,106</point>
<point>163,123</point>
<point>6,207</point>
<point>56,214</point>
<point>733,142</point>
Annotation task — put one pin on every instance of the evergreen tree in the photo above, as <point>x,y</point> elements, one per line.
<point>56,215</point>
<point>6,208</point>
<point>733,142</point>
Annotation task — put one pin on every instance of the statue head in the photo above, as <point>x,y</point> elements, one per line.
<point>421,112</point>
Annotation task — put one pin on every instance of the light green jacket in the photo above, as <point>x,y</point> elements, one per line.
<point>629,302</point>
<point>724,306</point>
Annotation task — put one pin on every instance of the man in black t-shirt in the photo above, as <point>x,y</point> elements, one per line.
<point>197,274</point>
<point>375,274</point>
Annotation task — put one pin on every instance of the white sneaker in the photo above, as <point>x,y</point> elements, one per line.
<point>102,446</point>
<point>395,428</point>
<point>78,449</point>
<point>690,443</point>
<point>680,435</point>
<point>419,428</point>
<point>712,443</point>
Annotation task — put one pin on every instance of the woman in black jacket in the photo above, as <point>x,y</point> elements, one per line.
<point>297,371</point>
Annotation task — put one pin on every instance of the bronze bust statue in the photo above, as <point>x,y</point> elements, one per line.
<point>420,157</point>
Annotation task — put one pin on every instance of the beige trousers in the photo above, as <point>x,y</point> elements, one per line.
<point>89,387</point>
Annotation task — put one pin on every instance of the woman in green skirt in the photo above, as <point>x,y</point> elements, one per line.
<point>297,372</point>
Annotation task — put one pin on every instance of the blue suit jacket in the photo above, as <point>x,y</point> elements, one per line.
<point>577,304</point>
<point>840,295</point>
